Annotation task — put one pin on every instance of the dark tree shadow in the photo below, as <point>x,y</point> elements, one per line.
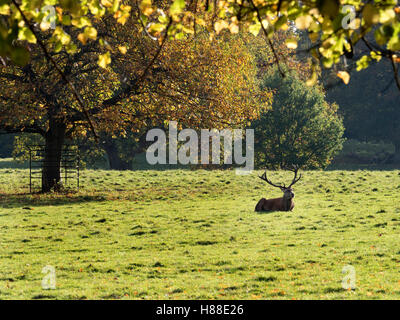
<point>22,200</point>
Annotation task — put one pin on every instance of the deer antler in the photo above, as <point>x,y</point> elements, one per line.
<point>264,177</point>
<point>295,169</point>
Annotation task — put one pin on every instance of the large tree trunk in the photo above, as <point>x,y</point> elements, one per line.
<point>54,137</point>
<point>114,159</point>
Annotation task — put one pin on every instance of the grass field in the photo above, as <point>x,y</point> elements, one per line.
<point>182,234</point>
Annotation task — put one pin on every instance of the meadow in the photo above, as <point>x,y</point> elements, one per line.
<point>183,234</point>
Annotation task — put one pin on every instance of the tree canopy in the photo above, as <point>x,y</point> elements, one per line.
<point>333,26</point>
<point>301,128</point>
<point>70,66</point>
<point>194,81</point>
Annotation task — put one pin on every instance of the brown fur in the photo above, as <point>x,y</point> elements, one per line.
<point>277,204</point>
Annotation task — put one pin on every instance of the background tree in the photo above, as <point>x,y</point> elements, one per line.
<point>301,129</point>
<point>195,82</point>
<point>370,106</point>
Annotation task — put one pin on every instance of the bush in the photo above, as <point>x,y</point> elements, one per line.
<point>301,128</point>
<point>357,152</point>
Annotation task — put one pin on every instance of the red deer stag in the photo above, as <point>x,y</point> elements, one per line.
<point>285,203</point>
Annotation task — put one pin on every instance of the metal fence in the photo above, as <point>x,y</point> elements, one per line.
<point>69,166</point>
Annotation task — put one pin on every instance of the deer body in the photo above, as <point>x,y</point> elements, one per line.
<point>285,203</point>
<point>277,204</point>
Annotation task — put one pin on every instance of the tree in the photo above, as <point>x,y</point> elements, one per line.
<point>334,26</point>
<point>301,129</point>
<point>194,82</point>
<point>85,35</point>
<point>121,151</point>
<point>370,106</point>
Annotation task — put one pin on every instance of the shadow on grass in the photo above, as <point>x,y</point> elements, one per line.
<point>26,200</point>
<point>268,212</point>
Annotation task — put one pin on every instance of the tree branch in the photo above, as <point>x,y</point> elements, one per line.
<point>268,39</point>
<point>133,84</point>
<point>395,71</point>
<point>57,68</point>
<point>22,129</point>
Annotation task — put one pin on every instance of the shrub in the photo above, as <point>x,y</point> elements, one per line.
<point>301,128</point>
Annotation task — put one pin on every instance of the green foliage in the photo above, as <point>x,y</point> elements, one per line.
<point>370,105</point>
<point>22,142</point>
<point>331,25</point>
<point>301,129</point>
<point>89,152</point>
<point>356,152</point>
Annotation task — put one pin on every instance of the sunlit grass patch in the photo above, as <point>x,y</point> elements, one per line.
<point>181,234</point>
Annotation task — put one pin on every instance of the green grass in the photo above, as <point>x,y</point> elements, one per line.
<point>182,234</point>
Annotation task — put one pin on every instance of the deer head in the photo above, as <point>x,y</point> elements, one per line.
<point>288,193</point>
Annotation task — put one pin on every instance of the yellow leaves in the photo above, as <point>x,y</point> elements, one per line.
<point>45,25</point>
<point>363,62</point>
<point>376,55</point>
<point>327,27</point>
<point>107,3</point>
<point>89,33</point>
<point>81,22</point>
<point>344,76</point>
<point>96,9</point>
<point>254,29</point>
<point>394,41</point>
<point>59,13</point>
<point>313,79</point>
<point>386,15</point>
<point>291,43</point>
<point>220,25</point>
<point>303,22</point>
<point>122,49</point>
<point>177,7</point>
<point>71,48</point>
<point>234,27</point>
<point>63,37</point>
<point>123,14</point>
<point>104,60</point>
<point>5,9</point>
<point>201,22</point>
<point>156,28</point>
<point>146,7</point>
<point>25,33</point>
<point>82,38</point>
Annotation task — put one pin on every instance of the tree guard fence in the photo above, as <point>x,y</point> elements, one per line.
<point>69,166</point>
